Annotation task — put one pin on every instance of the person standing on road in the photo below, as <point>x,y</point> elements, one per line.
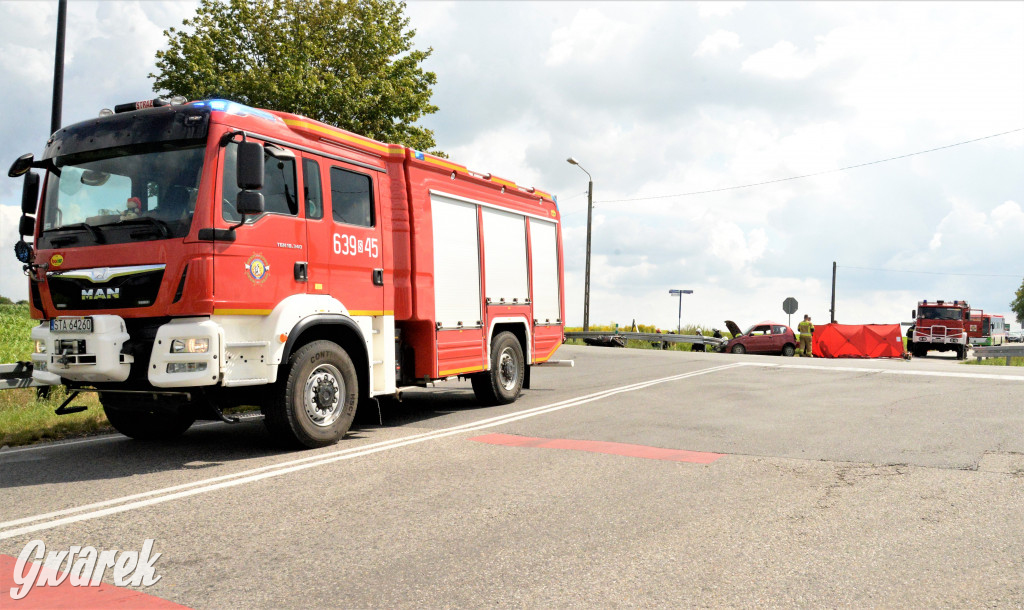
<point>806,334</point>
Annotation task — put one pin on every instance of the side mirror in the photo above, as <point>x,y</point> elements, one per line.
<point>27,225</point>
<point>250,166</point>
<point>30,193</point>
<point>913,314</point>
<point>249,203</point>
<point>21,165</point>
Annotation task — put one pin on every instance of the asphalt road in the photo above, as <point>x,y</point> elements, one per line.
<point>817,483</point>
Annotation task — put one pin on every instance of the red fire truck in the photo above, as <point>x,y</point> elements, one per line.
<point>939,326</point>
<point>193,257</point>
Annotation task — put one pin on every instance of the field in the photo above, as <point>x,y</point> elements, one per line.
<point>24,417</point>
<point>644,328</point>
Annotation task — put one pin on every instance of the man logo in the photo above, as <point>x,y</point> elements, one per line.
<point>101,293</point>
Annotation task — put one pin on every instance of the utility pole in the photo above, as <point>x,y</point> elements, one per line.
<point>58,67</point>
<point>590,216</point>
<point>832,311</point>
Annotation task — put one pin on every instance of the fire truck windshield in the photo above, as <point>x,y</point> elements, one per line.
<point>940,313</point>
<point>124,196</point>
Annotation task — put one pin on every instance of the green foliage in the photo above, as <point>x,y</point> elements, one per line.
<point>1017,304</point>
<point>349,63</point>
<point>6,301</point>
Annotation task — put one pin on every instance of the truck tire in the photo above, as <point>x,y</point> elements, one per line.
<point>502,384</point>
<point>145,420</point>
<point>788,350</point>
<point>315,398</point>
<point>739,349</point>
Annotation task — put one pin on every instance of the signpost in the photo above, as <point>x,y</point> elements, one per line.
<point>789,306</point>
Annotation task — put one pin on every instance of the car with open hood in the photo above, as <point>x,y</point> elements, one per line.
<point>762,338</point>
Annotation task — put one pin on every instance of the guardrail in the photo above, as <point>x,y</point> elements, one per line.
<point>999,351</point>
<point>661,337</point>
<point>17,375</point>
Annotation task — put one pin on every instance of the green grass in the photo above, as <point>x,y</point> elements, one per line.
<point>25,418</point>
<point>1014,361</point>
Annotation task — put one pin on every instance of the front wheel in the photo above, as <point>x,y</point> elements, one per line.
<point>316,398</point>
<point>739,349</point>
<point>145,420</point>
<point>502,384</point>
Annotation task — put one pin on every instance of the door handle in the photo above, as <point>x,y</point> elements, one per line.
<point>378,277</point>
<point>301,272</point>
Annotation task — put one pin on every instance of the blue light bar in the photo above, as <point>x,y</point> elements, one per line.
<point>236,109</point>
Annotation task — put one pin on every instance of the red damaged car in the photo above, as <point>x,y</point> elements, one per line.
<point>762,338</point>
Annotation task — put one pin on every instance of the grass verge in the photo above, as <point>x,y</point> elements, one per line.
<point>25,418</point>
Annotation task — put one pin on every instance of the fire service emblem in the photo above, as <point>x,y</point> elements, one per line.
<point>257,268</point>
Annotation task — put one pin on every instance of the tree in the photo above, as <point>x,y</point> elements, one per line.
<point>349,63</point>
<point>1017,304</point>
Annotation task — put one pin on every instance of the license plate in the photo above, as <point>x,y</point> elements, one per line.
<point>71,325</point>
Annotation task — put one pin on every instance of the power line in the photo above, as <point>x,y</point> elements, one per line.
<point>932,272</point>
<point>829,171</point>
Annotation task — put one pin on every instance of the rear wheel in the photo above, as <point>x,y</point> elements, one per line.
<point>502,384</point>
<point>788,350</point>
<point>316,399</point>
<point>145,419</point>
<point>739,349</point>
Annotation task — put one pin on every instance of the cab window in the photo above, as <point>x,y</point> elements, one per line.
<point>313,191</point>
<point>279,193</point>
<point>351,198</point>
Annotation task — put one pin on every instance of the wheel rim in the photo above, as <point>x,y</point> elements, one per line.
<point>322,395</point>
<point>508,369</point>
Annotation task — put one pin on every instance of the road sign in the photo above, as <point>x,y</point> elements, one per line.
<point>789,306</point>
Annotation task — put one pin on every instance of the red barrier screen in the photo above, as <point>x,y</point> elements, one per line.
<point>858,341</point>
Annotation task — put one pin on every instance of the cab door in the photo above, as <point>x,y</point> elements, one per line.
<point>259,269</point>
<point>356,267</point>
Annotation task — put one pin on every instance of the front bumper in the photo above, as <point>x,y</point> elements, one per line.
<point>99,356</point>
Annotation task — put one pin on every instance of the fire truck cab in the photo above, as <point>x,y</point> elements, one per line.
<point>193,257</point>
<point>940,326</point>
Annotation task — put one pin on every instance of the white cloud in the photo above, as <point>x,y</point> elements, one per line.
<point>715,43</point>
<point>782,60</point>
<point>591,37</point>
<point>13,283</point>
<point>718,9</point>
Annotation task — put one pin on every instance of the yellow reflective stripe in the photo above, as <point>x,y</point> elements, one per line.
<point>370,313</point>
<point>241,312</point>
<point>341,135</point>
<point>470,369</point>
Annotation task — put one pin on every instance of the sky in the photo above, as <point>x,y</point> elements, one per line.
<point>662,99</point>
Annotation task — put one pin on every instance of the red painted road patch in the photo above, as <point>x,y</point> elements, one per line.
<point>639,451</point>
<point>66,596</point>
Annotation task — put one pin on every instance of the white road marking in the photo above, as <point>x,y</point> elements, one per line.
<point>855,369</point>
<point>157,496</point>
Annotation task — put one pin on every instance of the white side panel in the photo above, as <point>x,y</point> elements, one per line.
<point>544,253</point>
<point>505,256</point>
<point>456,262</point>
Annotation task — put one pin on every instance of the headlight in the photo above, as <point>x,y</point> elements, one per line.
<point>40,346</point>
<point>192,345</point>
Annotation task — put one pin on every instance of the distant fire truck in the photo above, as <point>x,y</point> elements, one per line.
<point>939,326</point>
<point>193,257</point>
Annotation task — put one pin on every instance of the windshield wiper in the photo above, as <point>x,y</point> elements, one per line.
<point>78,226</point>
<point>165,229</point>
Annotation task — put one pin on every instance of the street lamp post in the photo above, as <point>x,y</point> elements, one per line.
<point>679,293</point>
<point>590,214</point>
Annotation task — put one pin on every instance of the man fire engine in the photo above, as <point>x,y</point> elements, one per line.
<point>192,257</point>
<point>939,326</point>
